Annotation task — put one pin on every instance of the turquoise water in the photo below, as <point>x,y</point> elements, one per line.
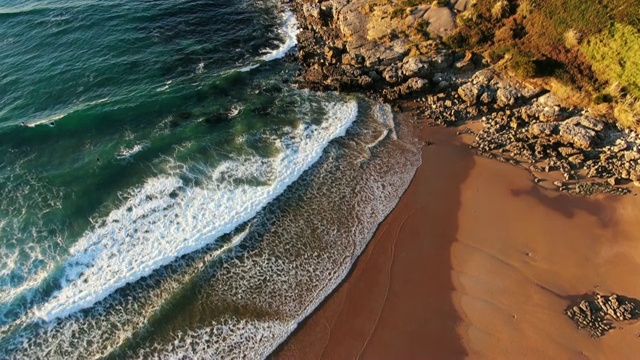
<point>164,191</point>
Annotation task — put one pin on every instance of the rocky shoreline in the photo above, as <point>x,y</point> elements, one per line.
<point>567,146</point>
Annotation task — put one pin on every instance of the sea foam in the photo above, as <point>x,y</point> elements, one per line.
<point>165,218</point>
<point>289,31</point>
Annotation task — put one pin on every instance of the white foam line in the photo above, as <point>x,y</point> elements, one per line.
<point>51,119</point>
<point>155,227</point>
<point>290,31</point>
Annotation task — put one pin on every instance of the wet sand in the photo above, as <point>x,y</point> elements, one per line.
<point>476,261</point>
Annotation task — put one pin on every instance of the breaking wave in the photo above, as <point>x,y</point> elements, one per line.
<point>177,218</point>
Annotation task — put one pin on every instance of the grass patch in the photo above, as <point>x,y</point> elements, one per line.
<point>615,56</point>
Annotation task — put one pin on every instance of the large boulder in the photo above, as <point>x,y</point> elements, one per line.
<point>507,96</point>
<point>442,21</point>
<point>470,92</point>
<point>587,122</point>
<point>579,136</point>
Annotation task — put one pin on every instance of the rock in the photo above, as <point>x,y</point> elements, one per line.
<point>551,114</point>
<point>578,136</point>
<point>414,85</point>
<point>631,156</point>
<point>391,75</point>
<point>461,5</point>
<point>311,10</point>
<point>469,92</point>
<point>568,151</point>
<point>487,97</point>
<point>442,21</point>
<point>442,61</point>
<point>376,54</point>
<point>414,67</point>
<point>613,180</point>
<point>507,97</point>
<point>592,314</point>
<point>587,122</point>
<point>620,145</point>
<point>483,77</point>
<point>546,129</point>
<point>549,100</point>
<point>365,81</point>
<point>463,66</point>
<point>577,159</point>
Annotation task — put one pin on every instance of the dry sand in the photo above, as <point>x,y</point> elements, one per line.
<point>476,261</point>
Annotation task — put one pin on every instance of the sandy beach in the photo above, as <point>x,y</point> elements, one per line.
<point>477,261</point>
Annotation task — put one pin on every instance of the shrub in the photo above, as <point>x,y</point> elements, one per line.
<point>457,40</point>
<point>602,98</point>
<point>522,64</point>
<point>500,9</point>
<point>422,27</point>
<point>398,12</point>
<point>496,54</point>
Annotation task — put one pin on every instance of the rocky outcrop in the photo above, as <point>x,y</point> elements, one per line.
<point>346,45</point>
<point>338,52</point>
<point>592,154</point>
<point>597,313</point>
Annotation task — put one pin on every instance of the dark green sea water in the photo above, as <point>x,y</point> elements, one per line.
<point>164,191</point>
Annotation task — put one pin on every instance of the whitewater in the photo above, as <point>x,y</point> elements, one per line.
<point>144,235</point>
<point>169,193</point>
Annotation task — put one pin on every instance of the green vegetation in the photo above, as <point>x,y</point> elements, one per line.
<point>590,45</point>
<point>615,56</point>
<point>522,65</point>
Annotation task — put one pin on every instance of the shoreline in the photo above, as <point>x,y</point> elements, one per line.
<point>470,264</point>
<point>480,258</point>
<point>355,318</point>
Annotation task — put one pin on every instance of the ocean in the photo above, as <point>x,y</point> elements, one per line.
<point>165,192</point>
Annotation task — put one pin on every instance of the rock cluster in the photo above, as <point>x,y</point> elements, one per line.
<point>522,125</point>
<point>337,54</point>
<point>596,315</point>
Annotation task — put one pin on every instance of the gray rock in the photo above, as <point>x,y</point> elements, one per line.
<point>578,136</point>
<point>507,96</point>
<point>551,114</point>
<point>442,21</point>
<point>543,129</point>
<point>587,122</point>
<point>470,92</point>
<point>484,77</point>
<point>413,85</point>
<point>414,67</point>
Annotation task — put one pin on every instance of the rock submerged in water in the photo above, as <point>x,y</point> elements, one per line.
<point>596,313</point>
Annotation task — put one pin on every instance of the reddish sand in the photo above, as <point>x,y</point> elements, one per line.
<point>477,261</point>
